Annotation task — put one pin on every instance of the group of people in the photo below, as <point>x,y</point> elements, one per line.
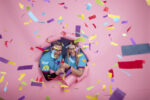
<point>53,64</point>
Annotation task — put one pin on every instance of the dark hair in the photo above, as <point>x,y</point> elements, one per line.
<point>56,43</point>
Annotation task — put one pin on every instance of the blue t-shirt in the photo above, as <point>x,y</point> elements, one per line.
<point>47,62</point>
<point>72,61</point>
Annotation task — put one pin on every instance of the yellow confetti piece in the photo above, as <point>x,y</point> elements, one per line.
<point>2,78</point>
<point>148,2</point>
<point>85,46</point>
<point>80,39</point>
<point>64,86</point>
<point>60,17</point>
<point>2,72</point>
<point>110,75</point>
<point>30,21</point>
<point>12,63</point>
<point>96,43</point>
<point>98,81</point>
<point>20,87</point>
<point>26,23</point>
<point>113,16</point>
<point>21,76</point>
<point>110,89</point>
<point>82,31</point>
<point>93,64</point>
<point>60,83</point>
<point>38,35</point>
<point>115,65</point>
<point>99,2</point>
<point>113,43</point>
<point>66,25</point>
<point>66,90</point>
<point>21,5</point>
<point>82,16</point>
<point>79,55</point>
<point>84,60</point>
<point>103,87</point>
<point>90,88</point>
<point>92,37</point>
<point>92,97</point>
<point>110,28</point>
<point>24,83</point>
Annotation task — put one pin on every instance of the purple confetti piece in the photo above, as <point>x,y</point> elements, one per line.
<point>89,46</point>
<point>124,22</point>
<point>51,20</point>
<point>65,7</point>
<point>36,84</point>
<point>61,73</point>
<point>105,16</point>
<point>21,98</point>
<point>112,80</point>
<point>68,72</point>
<point>77,30</point>
<point>47,1</point>
<point>24,67</point>
<point>117,95</point>
<point>3,60</point>
<point>0,36</point>
<point>133,42</point>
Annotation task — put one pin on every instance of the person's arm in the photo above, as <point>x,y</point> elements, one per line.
<point>77,72</point>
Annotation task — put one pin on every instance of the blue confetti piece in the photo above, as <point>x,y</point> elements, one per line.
<point>116,20</point>
<point>106,23</point>
<point>88,6</point>
<point>32,16</point>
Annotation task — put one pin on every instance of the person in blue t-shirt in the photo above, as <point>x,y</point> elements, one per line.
<point>51,60</point>
<point>75,61</point>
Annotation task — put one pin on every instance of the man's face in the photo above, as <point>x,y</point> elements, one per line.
<point>58,50</point>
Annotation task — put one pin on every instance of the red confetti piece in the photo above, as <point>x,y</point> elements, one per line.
<point>111,71</point>
<point>85,25</point>
<point>6,43</point>
<point>105,1</point>
<point>40,49</point>
<point>106,9</point>
<point>110,25</point>
<point>92,17</point>
<point>131,64</point>
<point>61,3</point>
<point>32,48</point>
<point>128,29</point>
<point>41,79</point>
<point>94,25</point>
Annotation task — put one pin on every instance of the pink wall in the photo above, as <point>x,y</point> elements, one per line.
<point>12,19</point>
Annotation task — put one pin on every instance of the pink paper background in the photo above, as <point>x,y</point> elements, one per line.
<point>12,19</point>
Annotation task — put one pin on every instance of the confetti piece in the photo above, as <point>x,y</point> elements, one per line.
<point>124,22</point>
<point>98,81</point>
<point>85,25</point>
<point>105,16</point>
<point>92,37</point>
<point>110,28</point>
<point>92,17</point>
<point>117,95</point>
<point>22,75</point>
<point>24,67</point>
<point>110,89</point>
<point>61,3</point>
<point>0,36</point>
<point>133,42</point>
<point>99,2</point>
<point>79,55</point>
<point>26,23</point>
<point>47,98</point>
<point>64,86</point>
<point>115,65</point>
<point>77,30</point>
<point>113,43</point>
<point>119,56</point>
<point>28,8</point>
<point>135,49</point>
<point>80,39</point>
<point>104,87</point>
<point>24,83</point>
<point>129,29</point>
<point>116,19</point>
<point>66,90</point>
<point>2,72</point>
<point>2,78</point>
<point>3,60</point>
<point>94,25</point>
<point>36,84</point>
<point>112,73</point>
<point>47,1</point>
<point>21,5</point>
<point>22,98</point>
<point>93,64</point>
<point>40,48</point>
<point>51,20</point>
<point>106,23</point>
<point>32,16</point>
<point>90,88</point>
<point>124,34</point>
<point>106,9</point>
<point>83,35</point>
<point>88,6</point>
<point>113,16</point>
<point>126,72</point>
<point>92,97</point>
<point>36,31</point>
<point>82,16</point>
<point>131,64</point>
<point>20,87</point>
<point>12,63</point>
<point>148,2</point>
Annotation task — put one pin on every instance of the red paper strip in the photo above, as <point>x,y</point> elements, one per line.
<point>131,64</point>
<point>111,71</point>
<point>128,29</point>
<point>106,9</point>
<point>61,3</point>
<point>86,25</point>
<point>94,25</point>
<point>92,17</point>
<point>40,49</point>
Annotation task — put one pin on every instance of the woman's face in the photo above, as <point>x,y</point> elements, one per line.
<point>72,50</point>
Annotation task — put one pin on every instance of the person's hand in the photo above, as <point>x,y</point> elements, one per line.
<point>64,65</point>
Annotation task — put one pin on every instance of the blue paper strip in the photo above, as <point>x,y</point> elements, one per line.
<point>77,30</point>
<point>135,49</point>
<point>32,16</point>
